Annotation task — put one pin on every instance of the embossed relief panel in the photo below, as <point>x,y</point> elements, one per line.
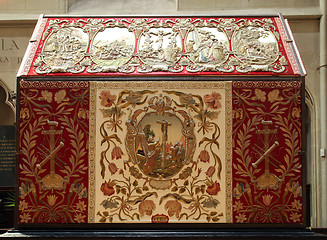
<point>53,168</point>
<point>161,153</point>
<point>267,167</point>
<point>120,46</point>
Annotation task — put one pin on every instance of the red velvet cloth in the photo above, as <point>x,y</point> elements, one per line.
<point>54,130</point>
<point>267,167</point>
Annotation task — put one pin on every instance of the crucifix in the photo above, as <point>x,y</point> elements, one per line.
<point>267,180</point>
<point>164,130</point>
<point>52,180</point>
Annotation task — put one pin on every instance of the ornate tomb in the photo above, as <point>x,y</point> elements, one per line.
<point>175,121</point>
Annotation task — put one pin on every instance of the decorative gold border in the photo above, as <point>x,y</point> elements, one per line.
<point>289,52</point>
<point>227,85</point>
<point>270,84</point>
<point>229,152</point>
<point>32,48</point>
<point>162,84</point>
<point>55,84</point>
<point>92,138</point>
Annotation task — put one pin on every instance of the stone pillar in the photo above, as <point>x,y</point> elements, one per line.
<point>322,219</point>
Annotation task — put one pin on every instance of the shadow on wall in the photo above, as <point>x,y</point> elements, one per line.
<point>7,106</point>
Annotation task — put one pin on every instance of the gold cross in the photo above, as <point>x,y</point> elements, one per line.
<point>267,149</point>
<point>53,150</point>
<point>164,130</point>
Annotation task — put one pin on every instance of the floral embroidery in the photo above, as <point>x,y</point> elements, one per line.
<point>211,170</point>
<point>107,189</point>
<point>204,156</point>
<point>60,96</point>
<point>112,168</point>
<point>295,217</point>
<point>23,205</point>
<point>79,218</point>
<point>213,100</point>
<point>213,187</point>
<point>273,96</point>
<point>241,218</point>
<point>81,205</point>
<point>173,207</point>
<point>47,96</point>
<point>147,207</point>
<point>259,95</point>
<point>267,199</point>
<point>116,153</point>
<point>25,217</point>
<point>107,99</point>
<point>52,199</point>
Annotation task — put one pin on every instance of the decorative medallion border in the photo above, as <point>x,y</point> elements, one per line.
<point>166,45</point>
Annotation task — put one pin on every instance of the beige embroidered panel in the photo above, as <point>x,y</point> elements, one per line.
<point>150,151</point>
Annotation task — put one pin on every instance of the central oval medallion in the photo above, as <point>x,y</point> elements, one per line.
<point>160,145</point>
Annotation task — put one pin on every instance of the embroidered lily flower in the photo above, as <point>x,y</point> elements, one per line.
<point>147,207</point>
<point>112,168</point>
<point>173,207</point>
<point>267,199</point>
<point>211,170</point>
<point>116,153</point>
<point>204,156</point>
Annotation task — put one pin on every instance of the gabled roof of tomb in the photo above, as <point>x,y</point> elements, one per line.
<point>139,46</point>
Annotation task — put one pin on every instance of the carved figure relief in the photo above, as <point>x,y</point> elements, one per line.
<point>160,47</point>
<point>63,49</point>
<point>255,47</point>
<point>128,46</point>
<point>207,45</point>
<point>112,47</point>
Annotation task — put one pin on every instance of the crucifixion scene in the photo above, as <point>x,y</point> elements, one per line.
<point>160,145</point>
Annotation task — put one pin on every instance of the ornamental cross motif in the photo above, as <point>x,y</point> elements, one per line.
<point>53,180</point>
<point>267,180</point>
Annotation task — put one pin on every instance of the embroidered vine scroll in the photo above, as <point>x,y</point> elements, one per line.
<point>54,126</point>
<point>162,152</point>
<point>267,167</point>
